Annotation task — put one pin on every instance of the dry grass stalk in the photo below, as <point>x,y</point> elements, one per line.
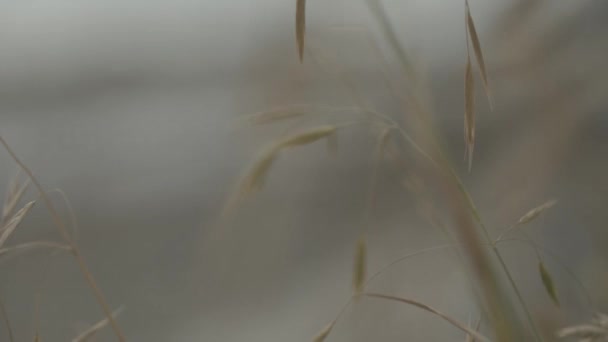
<point>300,26</point>
<point>63,231</point>
<point>534,213</point>
<point>87,334</point>
<point>548,283</point>
<point>13,196</point>
<point>7,229</point>
<point>434,311</point>
<point>322,335</point>
<point>359,271</point>
<point>469,113</point>
<point>472,33</point>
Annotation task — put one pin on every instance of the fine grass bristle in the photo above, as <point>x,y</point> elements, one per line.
<point>548,283</point>
<point>534,213</point>
<point>322,335</point>
<point>472,33</point>
<point>469,113</point>
<point>359,271</point>
<point>300,27</point>
<point>87,334</point>
<point>9,227</point>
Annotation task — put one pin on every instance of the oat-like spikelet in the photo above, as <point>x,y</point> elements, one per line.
<point>359,270</point>
<point>534,213</point>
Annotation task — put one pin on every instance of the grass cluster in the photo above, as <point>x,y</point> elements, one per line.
<point>396,142</point>
<point>399,142</point>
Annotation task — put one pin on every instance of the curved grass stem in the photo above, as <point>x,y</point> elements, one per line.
<point>63,231</point>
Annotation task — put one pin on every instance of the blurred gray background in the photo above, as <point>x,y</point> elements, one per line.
<point>132,108</point>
